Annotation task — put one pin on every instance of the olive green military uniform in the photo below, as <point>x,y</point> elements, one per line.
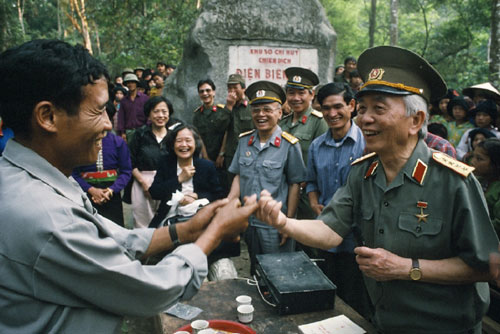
<point>212,123</point>
<point>434,209</point>
<point>241,121</point>
<point>306,129</point>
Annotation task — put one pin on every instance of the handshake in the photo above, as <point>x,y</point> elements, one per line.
<point>226,219</point>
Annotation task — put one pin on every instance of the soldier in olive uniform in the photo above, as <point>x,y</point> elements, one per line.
<point>427,232</point>
<point>270,159</point>
<point>212,121</point>
<point>304,122</point>
<point>241,117</point>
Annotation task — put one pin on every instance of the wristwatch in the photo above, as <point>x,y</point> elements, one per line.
<point>415,272</point>
<point>172,229</point>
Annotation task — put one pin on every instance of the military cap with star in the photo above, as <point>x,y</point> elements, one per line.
<point>236,78</point>
<point>265,92</point>
<point>301,78</point>
<point>397,71</point>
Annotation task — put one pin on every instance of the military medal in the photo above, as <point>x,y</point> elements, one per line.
<point>248,153</point>
<point>421,216</point>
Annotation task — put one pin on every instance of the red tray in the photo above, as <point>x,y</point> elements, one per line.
<point>224,325</point>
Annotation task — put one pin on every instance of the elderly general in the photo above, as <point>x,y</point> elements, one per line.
<point>420,218</point>
<point>65,268</point>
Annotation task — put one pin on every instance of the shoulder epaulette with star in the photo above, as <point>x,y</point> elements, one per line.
<point>220,105</point>
<point>455,165</point>
<point>243,134</point>
<point>289,137</point>
<point>363,158</point>
<point>317,113</point>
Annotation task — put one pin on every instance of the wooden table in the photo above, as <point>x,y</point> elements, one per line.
<point>217,300</point>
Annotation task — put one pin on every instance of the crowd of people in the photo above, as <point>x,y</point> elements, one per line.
<point>386,175</point>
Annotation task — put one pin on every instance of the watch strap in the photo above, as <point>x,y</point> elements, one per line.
<point>172,230</point>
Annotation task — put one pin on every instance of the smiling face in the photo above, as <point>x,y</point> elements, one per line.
<point>238,90</point>
<point>79,136</point>
<point>265,117</point>
<point>206,94</point>
<point>184,145</point>
<point>159,115</point>
<point>298,99</point>
<point>337,114</point>
<point>385,126</point>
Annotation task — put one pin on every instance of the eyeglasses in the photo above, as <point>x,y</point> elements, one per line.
<point>265,110</point>
<point>201,91</point>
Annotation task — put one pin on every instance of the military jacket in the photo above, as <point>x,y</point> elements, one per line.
<point>273,167</point>
<point>241,121</point>
<point>307,128</point>
<point>433,209</point>
<point>212,123</point>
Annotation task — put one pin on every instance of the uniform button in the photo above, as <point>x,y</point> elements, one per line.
<point>381,231</point>
<point>419,228</point>
<point>386,203</point>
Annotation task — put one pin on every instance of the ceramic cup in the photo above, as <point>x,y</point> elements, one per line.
<point>244,300</point>
<point>245,313</point>
<point>207,331</point>
<point>199,325</point>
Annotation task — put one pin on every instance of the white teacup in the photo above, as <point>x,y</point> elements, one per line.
<point>245,313</point>
<point>244,300</point>
<point>199,325</point>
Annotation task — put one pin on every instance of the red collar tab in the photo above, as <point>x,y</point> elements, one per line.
<point>304,119</point>
<point>277,141</point>
<point>371,169</point>
<point>250,141</point>
<point>214,108</point>
<point>419,171</point>
<point>245,103</point>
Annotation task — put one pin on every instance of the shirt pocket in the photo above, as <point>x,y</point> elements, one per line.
<point>273,170</point>
<point>365,220</point>
<point>304,136</point>
<point>408,222</point>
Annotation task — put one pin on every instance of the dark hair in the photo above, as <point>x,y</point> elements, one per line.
<point>438,129</point>
<point>355,74</point>
<point>335,88</point>
<point>154,101</point>
<point>206,81</point>
<point>154,74</point>
<point>44,70</point>
<point>486,133</point>
<point>170,66</point>
<point>161,63</point>
<point>172,136</point>
<point>457,101</point>
<point>492,147</point>
<point>350,58</point>
<point>116,89</point>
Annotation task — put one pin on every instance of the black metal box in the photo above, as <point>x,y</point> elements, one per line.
<point>295,283</point>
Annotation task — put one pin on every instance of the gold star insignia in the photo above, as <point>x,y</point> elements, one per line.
<point>422,216</point>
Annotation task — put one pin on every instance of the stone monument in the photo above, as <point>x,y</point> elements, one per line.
<point>258,39</point>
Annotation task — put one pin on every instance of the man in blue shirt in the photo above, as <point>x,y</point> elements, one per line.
<point>329,162</point>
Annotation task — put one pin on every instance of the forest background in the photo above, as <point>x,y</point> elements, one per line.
<point>459,37</point>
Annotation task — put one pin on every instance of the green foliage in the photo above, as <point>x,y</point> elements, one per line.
<point>456,40</point>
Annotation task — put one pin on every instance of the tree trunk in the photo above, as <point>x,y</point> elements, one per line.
<point>59,25</point>
<point>394,22</point>
<point>494,54</point>
<point>20,14</point>
<point>373,23</point>
<point>83,28</point>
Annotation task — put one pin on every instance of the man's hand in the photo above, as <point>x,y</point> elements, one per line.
<point>317,208</point>
<point>270,211</point>
<point>99,196</point>
<point>231,100</point>
<point>219,162</point>
<point>495,266</point>
<point>381,264</point>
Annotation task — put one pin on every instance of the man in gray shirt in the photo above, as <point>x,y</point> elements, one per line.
<point>65,268</point>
